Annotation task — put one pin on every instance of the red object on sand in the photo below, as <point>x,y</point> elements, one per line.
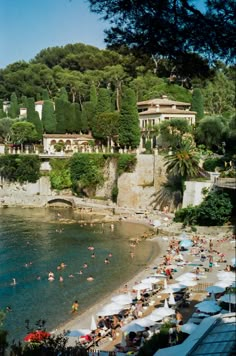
<point>36,336</point>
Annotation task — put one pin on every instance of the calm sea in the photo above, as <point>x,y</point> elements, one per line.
<point>34,242</point>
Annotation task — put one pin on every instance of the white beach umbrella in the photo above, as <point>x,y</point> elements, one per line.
<point>146,321</point>
<point>142,286</point>
<point>233,262</point>
<point>165,283</point>
<point>223,284</point>
<point>189,283</point>
<point>151,280</point>
<point>155,317</point>
<point>228,298</point>
<point>111,309</point>
<point>172,299</point>
<point>93,323</point>
<point>215,289</point>
<point>173,288</point>
<point>78,332</point>
<point>226,276</point>
<point>133,326</point>
<point>122,299</point>
<point>208,306</point>
<point>186,276</point>
<point>163,311</point>
<point>188,328</point>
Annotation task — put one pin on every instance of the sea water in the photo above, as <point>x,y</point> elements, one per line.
<point>34,242</point>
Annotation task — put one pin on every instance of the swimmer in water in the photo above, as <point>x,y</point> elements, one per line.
<point>13,283</point>
<point>85,265</point>
<point>110,254</point>
<point>90,278</point>
<point>93,255</point>
<point>106,261</point>
<point>61,279</point>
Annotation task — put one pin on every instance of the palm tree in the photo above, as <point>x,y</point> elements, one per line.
<point>183,162</point>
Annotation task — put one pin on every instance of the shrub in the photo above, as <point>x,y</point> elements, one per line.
<point>86,172</point>
<point>210,164</point>
<point>126,163</point>
<point>114,194</point>
<point>215,210</point>
<point>20,168</point>
<point>60,174</point>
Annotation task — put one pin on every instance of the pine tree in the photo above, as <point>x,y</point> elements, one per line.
<point>198,104</point>
<point>14,109</point>
<point>49,117</point>
<point>60,116</point>
<point>129,131</point>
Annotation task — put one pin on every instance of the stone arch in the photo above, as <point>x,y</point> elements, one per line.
<point>62,202</point>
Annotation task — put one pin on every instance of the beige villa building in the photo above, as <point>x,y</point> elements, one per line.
<point>72,142</point>
<point>153,112</point>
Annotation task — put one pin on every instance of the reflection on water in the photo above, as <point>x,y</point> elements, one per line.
<point>34,242</point>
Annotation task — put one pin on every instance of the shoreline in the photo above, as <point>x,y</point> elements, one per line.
<point>83,320</point>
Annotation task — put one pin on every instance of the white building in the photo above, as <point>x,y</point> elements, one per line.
<point>153,112</point>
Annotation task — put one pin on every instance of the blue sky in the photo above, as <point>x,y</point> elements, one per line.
<point>28,26</point>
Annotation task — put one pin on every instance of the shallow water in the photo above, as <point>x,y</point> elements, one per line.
<point>42,240</point>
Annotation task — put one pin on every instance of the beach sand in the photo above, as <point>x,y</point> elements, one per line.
<point>168,230</point>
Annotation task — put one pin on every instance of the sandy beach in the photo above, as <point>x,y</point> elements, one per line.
<point>162,237</point>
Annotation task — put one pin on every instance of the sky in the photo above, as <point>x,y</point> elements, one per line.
<point>28,26</point>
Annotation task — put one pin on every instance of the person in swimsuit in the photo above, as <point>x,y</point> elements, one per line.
<point>75,307</point>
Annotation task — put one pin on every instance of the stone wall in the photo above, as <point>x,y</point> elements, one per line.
<point>138,189</point>
<point>193,192</point>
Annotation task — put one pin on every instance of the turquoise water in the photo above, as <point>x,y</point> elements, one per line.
<point>34,242</point>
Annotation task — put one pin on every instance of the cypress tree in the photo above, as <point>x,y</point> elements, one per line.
<point>14,109</point>
<point>198,103</point>
<point>49,117</point>
<point>33,117</point>
<point>60,116</point>
<point>63,94</point>
<point>45,95</point>
<point>129,131</point>
<point>93,94</point>
<point>103,101</point>
<point>69,115</point>
<point>88,115</point>
<point>77,117</point>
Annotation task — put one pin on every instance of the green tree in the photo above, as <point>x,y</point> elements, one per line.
<point>60,116</point>
<point>45,95</point>
<point>49,117</point>
<point>219,95</point>
<point>211,131</point>
<point>198,103</point>
<point>13,110</point>
<point>22,132</point>
<point>78,124</point>
<point>170,28</point>
<point>183,162</point>
<point>103,101</point>
<point>129,131</point>
<point>5,129</point>
<point>33,117</point>
<point>63,94</point>
<point>106,127</point>
<point>173,132</point>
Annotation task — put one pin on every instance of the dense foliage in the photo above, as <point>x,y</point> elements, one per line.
<point>60,174</point>
<point>215,210</point>
<point>86,172</point>
<point>126,163</point>
<point>13,168</point>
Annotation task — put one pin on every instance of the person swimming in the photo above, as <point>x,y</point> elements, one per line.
<point>90,278</point>
<point>85,265</point>
<point>13,283</point>
<point>106,261</point>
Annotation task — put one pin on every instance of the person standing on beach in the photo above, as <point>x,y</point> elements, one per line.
<point>75,307</point>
